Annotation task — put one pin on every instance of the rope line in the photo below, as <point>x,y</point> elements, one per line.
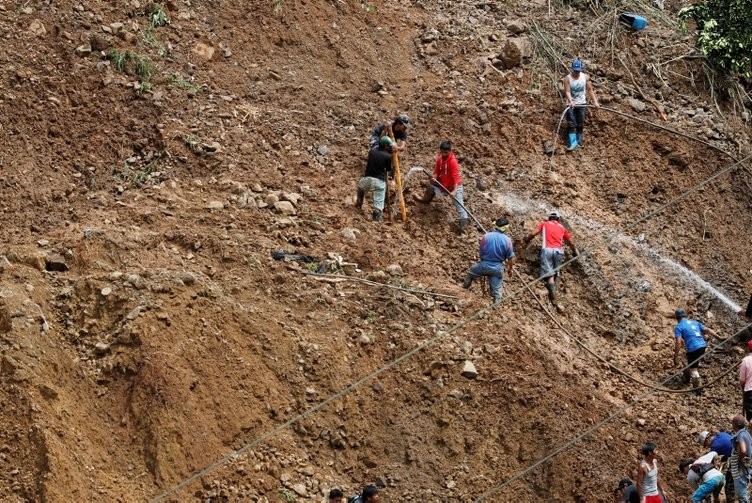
<point>601,423</point>
<point>428,343</point>
<point>614,367</point>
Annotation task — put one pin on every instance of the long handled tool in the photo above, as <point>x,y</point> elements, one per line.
<point>398,178</point>
<point>480,226</point>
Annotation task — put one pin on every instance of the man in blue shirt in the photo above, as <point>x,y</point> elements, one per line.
<point>495,249</point>
<point>692,334</point>
<point>721,443</point>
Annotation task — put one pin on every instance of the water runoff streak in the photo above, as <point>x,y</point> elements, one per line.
<point>522,206</point>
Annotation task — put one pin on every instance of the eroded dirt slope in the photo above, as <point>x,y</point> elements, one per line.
<point>147,332</point>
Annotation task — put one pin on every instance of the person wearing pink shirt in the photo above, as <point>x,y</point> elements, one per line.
<point>745,380</point>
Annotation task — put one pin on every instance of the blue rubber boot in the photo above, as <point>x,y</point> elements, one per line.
<point>572,141</point>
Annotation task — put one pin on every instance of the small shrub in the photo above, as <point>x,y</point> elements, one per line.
<point>157,16</point>
<point>142,175</point>
<point>180,82</point>
<point>131,63</point>
<point>287,495</point>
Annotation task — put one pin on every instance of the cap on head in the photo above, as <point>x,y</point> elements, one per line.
<point>445,145</point>
<point>501,224</point>
<point>554,215</point>
<point>702,436</point>
<point>749,345</point>
<point>577,65</point>
<point>403,119</point>
<point>385,141</point>
<point>680,313</point>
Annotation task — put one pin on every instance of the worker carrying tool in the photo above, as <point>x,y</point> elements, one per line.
<point>398,127</point>
<point>554,235</point>
<point>495,249</point>
<point>577,88</point>
<point>378,167</point>
<point>447,179</point>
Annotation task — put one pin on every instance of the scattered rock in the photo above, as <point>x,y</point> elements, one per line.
<point>101,348</point>
<point>271,199</point>
<point>640,422</point>
<point>514,51</point>
<point>4,263</point>
<point>292,197</point>
<point>349,234</point>
<point>106,291</point>
<point>83,50</point>
<point>517,27</point>
<point>203,51</point>
<point>637,105</point>
<point>468,370</point>
<point>481,185</point>
<point>323,150</point>
<point>36,28</point>
<point>215,205</point>
<point>364,339</point>
<point>455,393</point>
<point>285,208</point>
<point>300,490</point>
<point>395,270</point>
<point>43,242</point>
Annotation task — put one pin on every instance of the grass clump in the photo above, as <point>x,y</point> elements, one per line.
<point>131,63</point>
<point>179,82</point>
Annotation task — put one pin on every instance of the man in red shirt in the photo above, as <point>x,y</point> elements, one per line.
<point>446,175</point>
<point>552,252</point>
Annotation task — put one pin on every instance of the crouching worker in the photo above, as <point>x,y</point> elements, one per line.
<point>447,180</point>
<point>378,168</point>
<point>495,249</point>
<point>704,477</point>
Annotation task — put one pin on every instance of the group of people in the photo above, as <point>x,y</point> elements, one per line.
<point>726,464</point>
<point>496,247</point>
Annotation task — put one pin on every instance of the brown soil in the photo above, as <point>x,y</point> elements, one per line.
<point>172,338</point>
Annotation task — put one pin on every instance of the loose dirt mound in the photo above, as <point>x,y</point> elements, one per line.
<point>151,169</point>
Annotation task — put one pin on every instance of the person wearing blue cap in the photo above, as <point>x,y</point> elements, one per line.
<point>692,335</point>
<point>577,88</point>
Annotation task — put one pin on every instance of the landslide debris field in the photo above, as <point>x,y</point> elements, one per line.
<point>154,156</point>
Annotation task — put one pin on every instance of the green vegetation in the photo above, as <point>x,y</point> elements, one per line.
<point>142,175</point>
<point>180,82</point>
<point>131,63</point>
<point>287,495</point>
<point>157,16</point>
<point>724,34</point>
<point>369,7</point>
<point>278,5</point>
<point>193,142</point>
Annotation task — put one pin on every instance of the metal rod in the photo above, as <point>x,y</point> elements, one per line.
<point>456,200</point>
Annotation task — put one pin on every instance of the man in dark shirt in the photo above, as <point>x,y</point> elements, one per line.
<point>398,127</point>
<point>626,491</point>
<point>375,178</point>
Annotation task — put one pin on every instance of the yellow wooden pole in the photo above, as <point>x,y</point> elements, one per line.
<point>398,178</point>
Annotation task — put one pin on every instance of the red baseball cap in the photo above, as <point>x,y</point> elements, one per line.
<point>749,344</point>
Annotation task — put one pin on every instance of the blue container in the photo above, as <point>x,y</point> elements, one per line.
<point>634,21</point>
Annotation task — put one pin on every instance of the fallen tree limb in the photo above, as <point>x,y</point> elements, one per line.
<point>336,278</point>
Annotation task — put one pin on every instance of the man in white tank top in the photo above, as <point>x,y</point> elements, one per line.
<point>649,486</point>
<point>577,88</point>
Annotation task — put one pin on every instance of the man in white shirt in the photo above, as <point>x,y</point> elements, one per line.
<point>704,477</point>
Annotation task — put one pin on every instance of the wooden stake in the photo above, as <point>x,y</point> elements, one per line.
<point>398,178</point>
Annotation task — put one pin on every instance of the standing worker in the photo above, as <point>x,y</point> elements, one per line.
<point>447,180</point>
<point>378,167</point>
<point>692,333</point>
<point>495,249</point>
<point>745,380</point>
<point>577,87</point>
<point>649,486</point>
<point>740,458</point>
<point>398,127</point>
<point>554,235</point>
